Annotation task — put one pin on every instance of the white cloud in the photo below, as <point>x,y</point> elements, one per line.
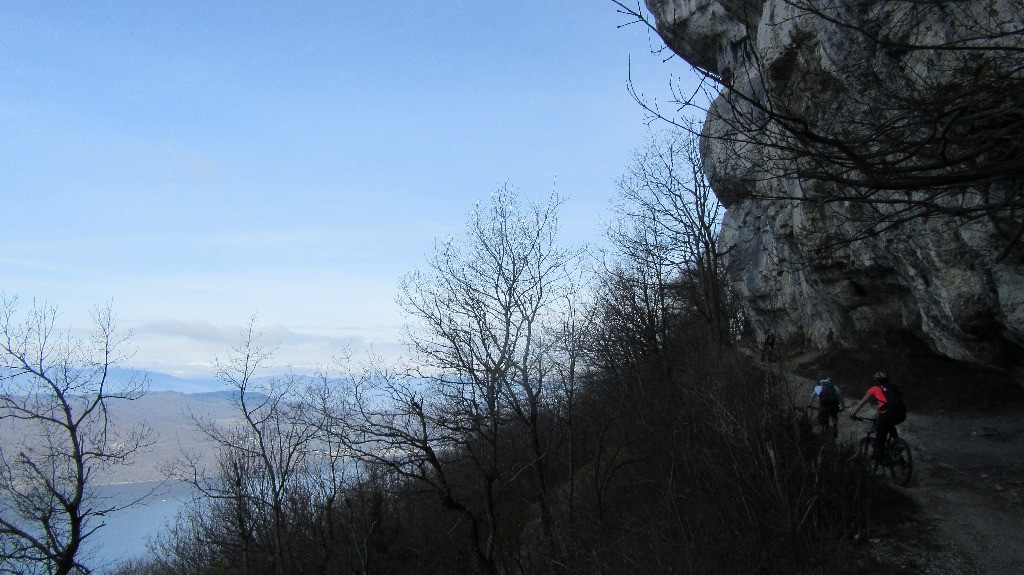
<point>189,348</point>
<point>194,329</point>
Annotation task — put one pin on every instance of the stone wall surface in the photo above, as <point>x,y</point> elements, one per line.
<point>942,283</point>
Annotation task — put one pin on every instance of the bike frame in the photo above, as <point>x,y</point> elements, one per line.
<point>896,456</point>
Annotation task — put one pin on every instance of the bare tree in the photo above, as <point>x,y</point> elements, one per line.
<point>262,459</point>
<point>56,396</point>
<point>917,125</point>
<point>411,429</point>
<point>489,333</point>
<point>486,314</point>
<point>668,233</point>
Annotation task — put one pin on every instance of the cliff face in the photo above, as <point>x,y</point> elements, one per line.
<point>946,283</point>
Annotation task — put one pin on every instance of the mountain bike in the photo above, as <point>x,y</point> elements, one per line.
<point>896,458</point>
<point>829,428</point>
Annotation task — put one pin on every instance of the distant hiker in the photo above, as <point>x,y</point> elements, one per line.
<point>830,403</point>
<point>891,411</point>
<point>769,344</point>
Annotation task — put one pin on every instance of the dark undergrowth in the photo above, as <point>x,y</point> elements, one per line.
<point>684,464</point>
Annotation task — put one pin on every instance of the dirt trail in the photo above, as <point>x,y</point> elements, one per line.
<point>969,483</point>
<point>969,480</point>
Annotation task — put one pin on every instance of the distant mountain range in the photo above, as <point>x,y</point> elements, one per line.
<point>166,382</point>
<point>169,409</point>
<point>171,418</point>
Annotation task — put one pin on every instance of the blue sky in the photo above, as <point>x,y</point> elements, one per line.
<point>195,163</point>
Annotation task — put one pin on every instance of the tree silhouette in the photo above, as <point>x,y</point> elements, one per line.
<point>56,395</point>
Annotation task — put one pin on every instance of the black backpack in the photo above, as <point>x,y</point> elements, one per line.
<point>829,398</point>
<point>893,398</point>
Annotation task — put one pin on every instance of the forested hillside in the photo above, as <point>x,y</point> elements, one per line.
<point>554,422</point>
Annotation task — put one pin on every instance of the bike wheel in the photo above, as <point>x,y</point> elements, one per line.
<point>902,463</point>
<point>863,451</point>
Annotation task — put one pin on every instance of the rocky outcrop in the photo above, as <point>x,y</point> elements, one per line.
<point>946,283</point>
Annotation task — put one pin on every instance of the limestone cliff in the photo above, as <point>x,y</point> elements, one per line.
<point>946,282</point>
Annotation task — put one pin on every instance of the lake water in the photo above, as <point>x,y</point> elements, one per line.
<point>127,532</point>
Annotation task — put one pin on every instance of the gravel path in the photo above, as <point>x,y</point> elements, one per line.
<point>969,478</point>
<point>968,481</point>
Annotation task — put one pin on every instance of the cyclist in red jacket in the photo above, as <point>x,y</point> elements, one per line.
<point>891,411</point>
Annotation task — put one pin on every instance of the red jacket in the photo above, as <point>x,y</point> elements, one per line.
<point>879,395</point>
